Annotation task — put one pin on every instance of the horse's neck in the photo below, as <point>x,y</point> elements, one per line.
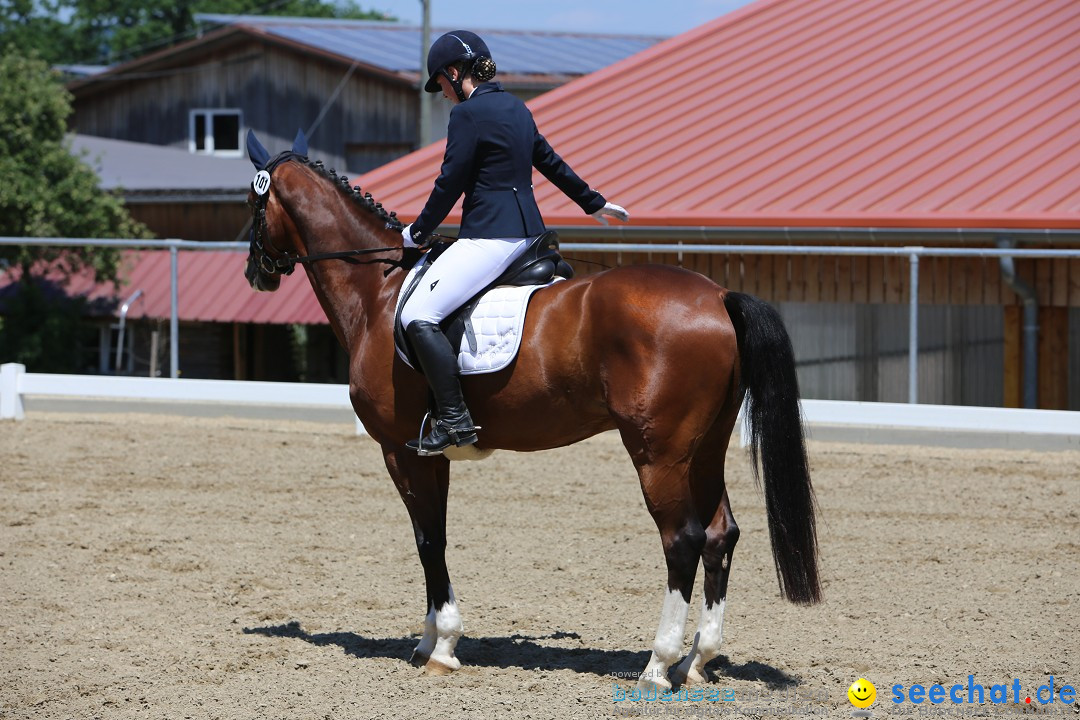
<point>354,296</point>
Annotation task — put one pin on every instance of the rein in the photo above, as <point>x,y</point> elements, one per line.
<point>286,262</point>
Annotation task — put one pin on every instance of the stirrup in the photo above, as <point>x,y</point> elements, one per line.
<point>454,436</point>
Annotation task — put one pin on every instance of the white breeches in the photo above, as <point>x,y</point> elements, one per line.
<point>463,269</point>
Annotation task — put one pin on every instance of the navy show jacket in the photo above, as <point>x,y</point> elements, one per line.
<point>492,146</point>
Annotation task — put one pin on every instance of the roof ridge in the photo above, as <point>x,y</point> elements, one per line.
<point>398,25</point>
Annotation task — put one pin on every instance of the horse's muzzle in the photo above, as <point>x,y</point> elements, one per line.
<point>258,280</point>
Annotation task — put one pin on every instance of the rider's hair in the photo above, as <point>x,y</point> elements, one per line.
<point>482,69</point>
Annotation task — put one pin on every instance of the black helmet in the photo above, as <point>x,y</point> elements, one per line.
<point>451,47</point>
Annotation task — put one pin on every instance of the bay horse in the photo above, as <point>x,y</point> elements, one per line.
<point>659,353</point>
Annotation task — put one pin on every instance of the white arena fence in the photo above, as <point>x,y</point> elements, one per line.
<point>15,383</point>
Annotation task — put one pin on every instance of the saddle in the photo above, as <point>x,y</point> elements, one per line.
<point>538,265</point>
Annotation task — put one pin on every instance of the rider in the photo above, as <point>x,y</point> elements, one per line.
<point>492,144</point>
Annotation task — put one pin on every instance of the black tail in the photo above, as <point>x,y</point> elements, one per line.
<point>767,365</point>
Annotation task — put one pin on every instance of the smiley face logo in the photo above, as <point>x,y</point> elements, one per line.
<point>862,693</point>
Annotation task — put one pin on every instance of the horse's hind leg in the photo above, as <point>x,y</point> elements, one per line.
<point>721,537</point>
<point>721,534</point>
<point>666,491</point>
<point>423,484</point>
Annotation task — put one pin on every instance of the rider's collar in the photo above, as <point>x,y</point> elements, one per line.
<point>484,88</point>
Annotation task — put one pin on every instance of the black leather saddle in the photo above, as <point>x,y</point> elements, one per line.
<point>538,265</point>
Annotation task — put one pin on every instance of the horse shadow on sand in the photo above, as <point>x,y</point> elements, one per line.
<point>527,653</point>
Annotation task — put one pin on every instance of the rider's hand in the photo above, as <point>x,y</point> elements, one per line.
<point>406,237</point>
<point>613,210</point>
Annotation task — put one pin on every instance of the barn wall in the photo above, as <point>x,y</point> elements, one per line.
<point>970,329</point>
<point>821,278</point>
<point>1074,359</point>
<point>278,92</point>
<point>216,222</point>
<point>860,352</point>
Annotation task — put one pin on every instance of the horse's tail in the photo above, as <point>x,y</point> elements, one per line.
<point>767,364</point>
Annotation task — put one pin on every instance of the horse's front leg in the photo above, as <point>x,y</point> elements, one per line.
<point>423,484</point>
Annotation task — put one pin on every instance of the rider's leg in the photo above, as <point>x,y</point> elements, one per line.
<point>459,273</point>
<point>453,424</point>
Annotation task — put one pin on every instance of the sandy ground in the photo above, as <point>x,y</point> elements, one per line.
<point>160,567</point>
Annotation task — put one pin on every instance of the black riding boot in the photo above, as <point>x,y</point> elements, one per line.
<point>453,425</point>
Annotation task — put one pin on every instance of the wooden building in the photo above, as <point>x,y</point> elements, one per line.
<point>353,86</point>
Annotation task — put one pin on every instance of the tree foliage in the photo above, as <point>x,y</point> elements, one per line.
<point>42,328</point>
<point>110,31</point>
<point>45,191</point>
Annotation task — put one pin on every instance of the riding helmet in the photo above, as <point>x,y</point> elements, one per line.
<point>448,49</point>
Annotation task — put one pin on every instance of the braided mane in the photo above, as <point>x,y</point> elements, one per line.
<point>361,198</point>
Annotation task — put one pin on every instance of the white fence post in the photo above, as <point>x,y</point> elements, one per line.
<point>11,404</point>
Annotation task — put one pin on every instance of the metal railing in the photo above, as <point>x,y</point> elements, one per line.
<point>173,246</point>
<point>912,253</point>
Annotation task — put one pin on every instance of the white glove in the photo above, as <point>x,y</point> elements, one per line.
<point>406,236</point>
<point>613,210</point>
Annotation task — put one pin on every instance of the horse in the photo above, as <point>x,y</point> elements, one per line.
<point>661,354</point>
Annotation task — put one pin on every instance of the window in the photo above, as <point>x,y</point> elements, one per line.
<point>215,132</point>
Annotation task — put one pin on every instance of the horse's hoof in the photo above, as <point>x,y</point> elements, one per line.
<point>418,659</point>
<point>653,685</point>
<point>690,677</point>
<point>438,669</point>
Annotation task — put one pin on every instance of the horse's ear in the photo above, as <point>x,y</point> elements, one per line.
<point>299,145</point>
<point>258,154</point>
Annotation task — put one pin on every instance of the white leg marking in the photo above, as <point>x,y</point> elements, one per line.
<point>669,641</point>
<point>427,642</point>
<point>448,629</point>
<point>707,641</point>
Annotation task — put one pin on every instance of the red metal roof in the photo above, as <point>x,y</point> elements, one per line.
<point>925,113</point>
<point>211,286</point>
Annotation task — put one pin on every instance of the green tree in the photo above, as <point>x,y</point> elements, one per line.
<point>110,31</point>
<point>45,191</point>
<point>34,26</point>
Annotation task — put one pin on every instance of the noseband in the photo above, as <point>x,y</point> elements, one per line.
<point>285,262</point>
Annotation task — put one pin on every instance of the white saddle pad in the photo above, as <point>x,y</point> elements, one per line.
<point>497,321</point>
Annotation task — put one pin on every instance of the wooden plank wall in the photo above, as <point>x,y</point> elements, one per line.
<point>886,280</point>
<point>277,90</point>
<point>217,222</point>
<point>876,279</point>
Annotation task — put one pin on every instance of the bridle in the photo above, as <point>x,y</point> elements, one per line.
<point>285,262</point>
<point>283,265</point>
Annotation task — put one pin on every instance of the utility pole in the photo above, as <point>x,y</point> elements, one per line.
<point>425,97</point>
